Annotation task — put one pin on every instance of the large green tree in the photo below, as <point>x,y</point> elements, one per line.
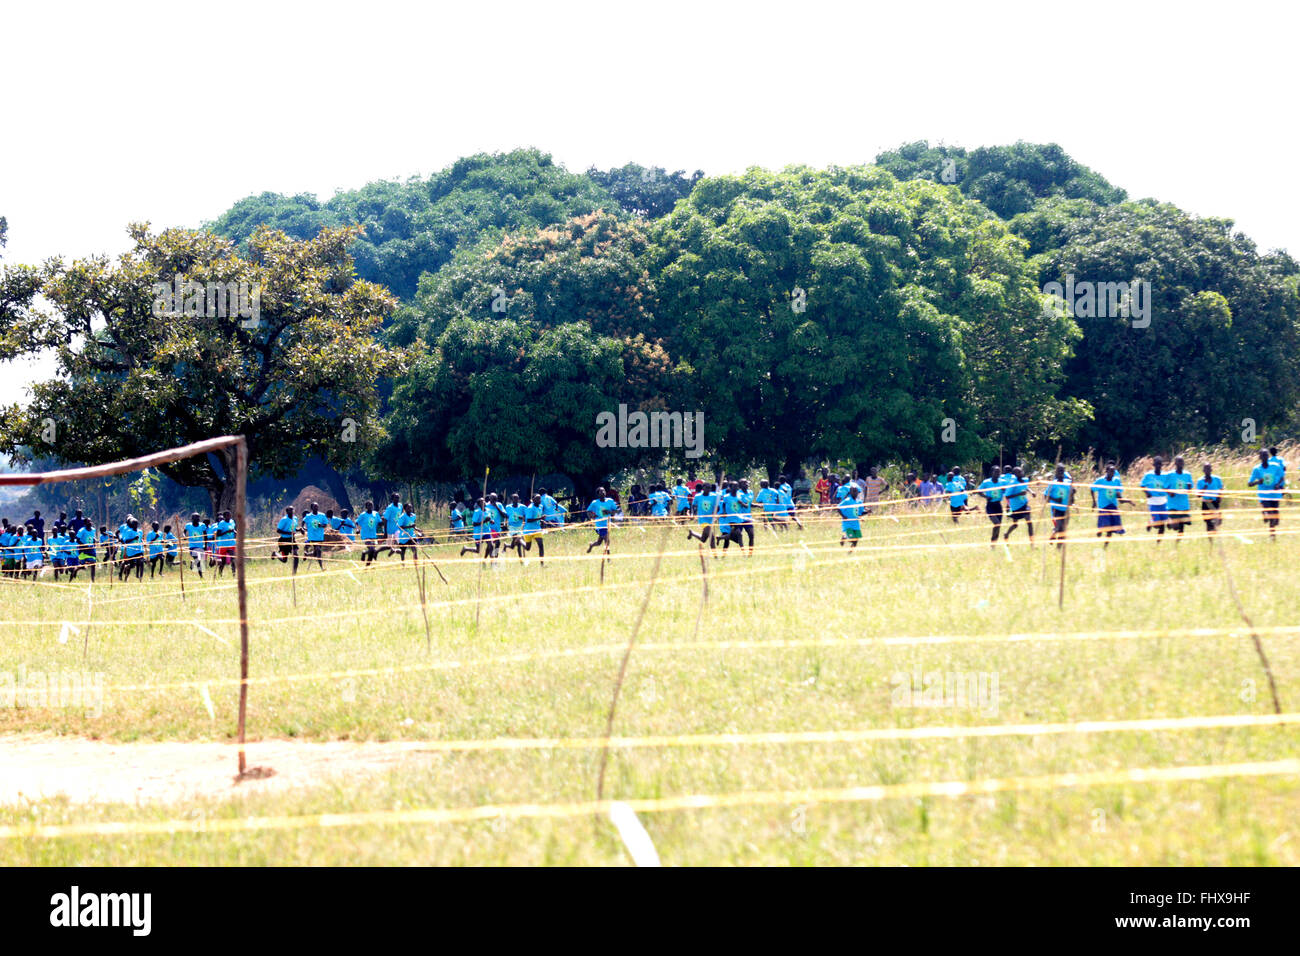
<point>416,226</point>
<point>290,361</point>
<point>844,313</point>
<point>525,342</point>
<point>1217,345</point>
<point>646,191</point>
<point>1007,179</point>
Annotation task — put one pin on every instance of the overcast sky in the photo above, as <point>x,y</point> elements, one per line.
<point>170,113</point>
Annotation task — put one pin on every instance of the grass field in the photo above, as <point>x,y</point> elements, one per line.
<point>817,636</point>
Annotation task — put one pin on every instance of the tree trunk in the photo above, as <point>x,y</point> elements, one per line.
<point>337,487</point>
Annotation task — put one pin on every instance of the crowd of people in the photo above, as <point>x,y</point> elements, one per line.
<point>73,545</point>
<point>715,513</point>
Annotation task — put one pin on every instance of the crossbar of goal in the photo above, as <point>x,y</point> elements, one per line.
<point>241,524</point>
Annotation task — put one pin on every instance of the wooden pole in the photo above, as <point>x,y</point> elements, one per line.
<point>241,535</point>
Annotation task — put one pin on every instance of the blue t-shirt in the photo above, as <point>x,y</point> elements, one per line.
<point>991,490</point>
<point>286,526</point>
<point>515,515</point>
<point>225,533</point>
<point>391,514</point>
<point>769,499</point>
<point>457,520</point>
<point>532,518</point>
<point>171,542</point>
<point>1108,491</point>
<point>156,545</point>
<point>1017,492</point>
<point>552,511</point>
<point>405,522</point>
<point>704,505</point>
<point>659,503</point>
<point>1269,477</point>
<point>477,519</point>
<point>1155,486</point>
<point>957,489</point>
<point>315,525</point>
<point>1178,482</point>
<point>601,509</point>
<point>746,507</point>
<point>347,527</point>
<point>368,522</point>
<point>681,498</point>
<point>130,538</point>
<point>850,510</point>
<point>1205,487</point>
<point>86,537</point>
<point>1058,493</point>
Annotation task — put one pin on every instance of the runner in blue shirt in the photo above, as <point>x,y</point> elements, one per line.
<point>955,487</point>
<point>1205,488</point>
<point>552,513</point>
<point>1269,478</point>
<point>601,507</point>
<point>1107,496</point>
<point>850,508</point>
<point>86,540</point>
<point>1155,484</point>
<point>515,519</point>
<point>287,529</point>
<point>406,532</point>
<point>132,550</point>
<point>391,514</point>
<point>157,549</point>
<point>705,504</point>
<point>347,526</point>
<point>681,499</point>
<point>1017,498</point>
<point>368,529</point>
<point>660,500</point>
<point>731,517</point>
<point>194,534</point>
<point>58,554</point>
<point>746,524</point>
<point>1179,482</point>
<point>481,530</point>
<point>172,545</point>
<point>1060,495</point>
<point>223,536</point>
<point>991,489</point>
<point>456,522</point>
<point>315,523</point>
<point>533,533</point>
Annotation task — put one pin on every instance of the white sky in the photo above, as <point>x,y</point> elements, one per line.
<point>169,113</point>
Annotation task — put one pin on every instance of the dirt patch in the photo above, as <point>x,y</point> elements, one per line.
<point>42,766</point>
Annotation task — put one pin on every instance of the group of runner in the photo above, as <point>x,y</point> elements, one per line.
<point>719,513</point>
<point>73,544</point>
<point>1168,495</point>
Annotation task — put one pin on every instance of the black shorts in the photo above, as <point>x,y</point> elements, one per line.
<point>995,511</point>
<point>1270,509</point>
<point>287,546</point>
<point>1021,513</point>
<point>1059,521</point>
<point>1178,520</point>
